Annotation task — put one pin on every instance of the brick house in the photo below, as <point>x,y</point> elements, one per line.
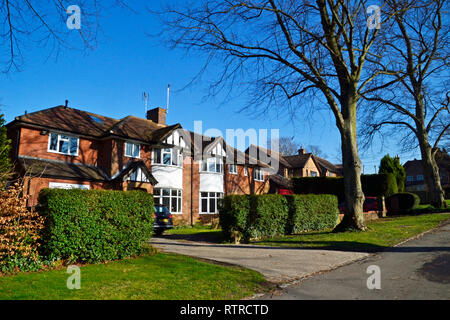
<point>415,180</point>
<point>62,147</point>
<point>301,165</point>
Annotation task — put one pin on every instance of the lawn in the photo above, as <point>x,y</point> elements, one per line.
<point>381,234</point>
<point>152,277</point>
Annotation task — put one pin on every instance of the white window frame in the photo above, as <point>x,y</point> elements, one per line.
<point>258,174</point>
<point>68,186</point>
<point>245,171</point>
<point>217,196</point>
<point>235,171</point>
<point>59,139</point>
<point>134,147</point>
<point>169,151</point>
<point>140,176</point>
<point>216,161</point>
<point>159,198</point>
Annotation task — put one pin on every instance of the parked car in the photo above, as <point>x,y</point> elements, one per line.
<point>370,204</point>
<point>163,220</point>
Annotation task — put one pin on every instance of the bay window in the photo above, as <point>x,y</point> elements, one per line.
<point>170,198</point>
<point>210,202</point>
<point>64,144</point>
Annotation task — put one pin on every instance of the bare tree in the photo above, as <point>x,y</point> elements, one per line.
<point>286,53</point>
<point>316,150</point>
<point>418,48</point>
<point>25,24</point>
<point>287,146</point>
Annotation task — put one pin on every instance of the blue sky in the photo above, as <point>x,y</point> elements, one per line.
<point>110,81</point>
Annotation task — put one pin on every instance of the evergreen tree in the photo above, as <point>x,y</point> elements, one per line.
<point>393,166</point>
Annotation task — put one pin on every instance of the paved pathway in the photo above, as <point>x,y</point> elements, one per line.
<point>417,269</point>
<point>278,265</point>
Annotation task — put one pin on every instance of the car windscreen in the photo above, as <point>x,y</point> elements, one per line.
<point>160,209</point>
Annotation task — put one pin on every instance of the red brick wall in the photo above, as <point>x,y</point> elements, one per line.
<point>241,184</point>
<point>33,144</point>
<point>35,185</point>
<point>189,168</point>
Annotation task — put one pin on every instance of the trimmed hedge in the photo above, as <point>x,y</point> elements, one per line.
<point>312,213</point>
<point>233,215</point>
<point>375,185</point>
<point>258,216</point>
<point>95,226</point>
<point>268,216</point>
<point>402,203</point>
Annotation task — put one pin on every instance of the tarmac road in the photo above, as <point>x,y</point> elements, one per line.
<point>417,269</point>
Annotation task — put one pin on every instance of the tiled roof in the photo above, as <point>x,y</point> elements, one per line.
<point>70,120</point>
<point>60,169</point>
<point>325,164</point>
<point>90,124</point>
<point>298,161</point>
<point>281,181</point>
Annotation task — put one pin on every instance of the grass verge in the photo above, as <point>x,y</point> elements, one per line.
<point>382,233</point>
<point>153,277</point>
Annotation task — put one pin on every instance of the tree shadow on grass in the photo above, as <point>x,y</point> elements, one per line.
<point>208,237</point>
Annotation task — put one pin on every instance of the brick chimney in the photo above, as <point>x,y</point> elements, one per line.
<point>157,115</point>
<point>301,151</point>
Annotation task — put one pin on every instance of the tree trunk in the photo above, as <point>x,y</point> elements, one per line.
<point>431,171</point>
<point>354,196</point>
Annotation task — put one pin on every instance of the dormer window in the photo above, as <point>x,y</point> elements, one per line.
<point>132,150</point>
<point>213,165</point>
<point>168,157</point>
<point>63,144</point>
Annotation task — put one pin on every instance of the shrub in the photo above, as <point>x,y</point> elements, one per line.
<point>94,226</point>
<point>376,185</point>
<point>233,216</point>
<point>312,212</point>
<point>19,232</point>
<point>402,203</point>
<point>373,185</point>
<point>320,185</point>
<point>268,216</point>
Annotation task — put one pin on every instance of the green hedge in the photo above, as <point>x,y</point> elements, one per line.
<point>94,226</point>
<point>233,215</point>
<point>270,215</point>
<point>375,185</point>
<point>402,203</point>
<point>312,212</point>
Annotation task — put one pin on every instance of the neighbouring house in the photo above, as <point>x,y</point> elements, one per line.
<point>415,180</point>
<point>63,147</point>
<point>301,165</point>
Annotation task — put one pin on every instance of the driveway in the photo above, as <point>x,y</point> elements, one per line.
<point>278,265</point>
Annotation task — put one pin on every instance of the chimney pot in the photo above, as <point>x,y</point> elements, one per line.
<point>157,115</point>
<point>301,151</point>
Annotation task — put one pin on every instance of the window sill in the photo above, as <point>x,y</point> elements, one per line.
<point>166,165</point>
<point>64,154</point>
